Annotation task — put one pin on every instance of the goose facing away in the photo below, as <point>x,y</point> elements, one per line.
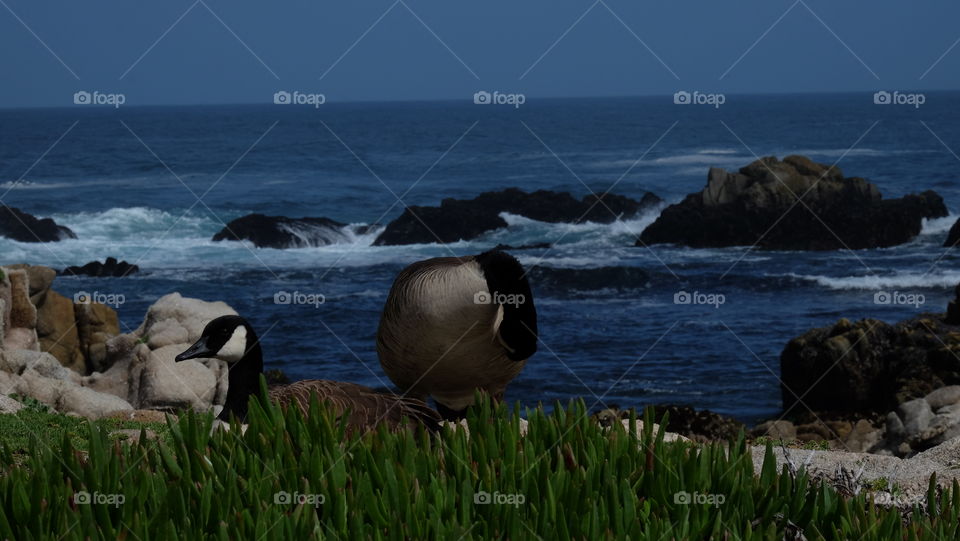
<point>232,339</point>
<point>454,325</point>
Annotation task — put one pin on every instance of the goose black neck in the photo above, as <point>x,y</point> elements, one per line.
<point>244,379</point>
<point>507,280</point>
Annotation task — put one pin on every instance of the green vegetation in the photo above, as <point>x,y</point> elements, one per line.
<point>568,478</point>
<point>37,427</point>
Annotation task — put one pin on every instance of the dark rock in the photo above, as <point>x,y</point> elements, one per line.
<point>465,219</point>
<point>953,237</point>
<point>758,207</point>
<point>276,376</point>
<point>869,366</point>
<point>698,425</point>
<point>282,232</point>
<point>702,426</point>
<point>23,227</point>
<point>953,309</point>
<point>109,268</point>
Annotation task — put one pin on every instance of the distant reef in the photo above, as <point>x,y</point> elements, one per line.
<point>466,219</point>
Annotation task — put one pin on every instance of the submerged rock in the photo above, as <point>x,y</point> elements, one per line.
<point>110,267</point>
<point>466,219</point>
<point>23,227</point>
<point>758,206</point>
<point>282,232</point>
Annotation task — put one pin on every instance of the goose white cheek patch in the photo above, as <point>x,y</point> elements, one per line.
<point>235,347</point>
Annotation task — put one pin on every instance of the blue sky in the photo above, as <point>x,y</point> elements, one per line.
<point>219,51</point>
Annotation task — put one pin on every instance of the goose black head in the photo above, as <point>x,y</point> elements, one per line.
<point>229,338</point>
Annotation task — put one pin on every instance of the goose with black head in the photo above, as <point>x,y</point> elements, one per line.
<point>232,339</point>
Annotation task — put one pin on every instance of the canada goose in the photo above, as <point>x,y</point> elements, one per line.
<point>453,325</point>
<point>232,339</point>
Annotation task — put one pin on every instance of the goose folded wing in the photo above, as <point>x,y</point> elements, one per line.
<point>366,408</point>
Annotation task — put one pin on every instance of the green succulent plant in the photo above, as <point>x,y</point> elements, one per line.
<point>290,476</point>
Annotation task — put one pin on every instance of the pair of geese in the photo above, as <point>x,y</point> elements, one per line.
<point>442,335</point>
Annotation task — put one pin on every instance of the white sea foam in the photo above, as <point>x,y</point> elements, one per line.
<point>938,226</point>
<point>915,280</point>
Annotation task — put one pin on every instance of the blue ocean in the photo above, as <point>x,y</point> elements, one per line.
<point>152,185</point>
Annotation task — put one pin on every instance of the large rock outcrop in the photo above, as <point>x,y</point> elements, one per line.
<point>137,370</point>
<point>869,366</point>
<point>465,219</point>
<point>282,232</point>
<point>23,227</point>
<point>140,365</point>
<point>758,206</point>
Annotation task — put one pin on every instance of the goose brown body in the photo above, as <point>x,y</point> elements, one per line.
<point>437,336</point>
<point>232,339</point>
<point>364,407</point>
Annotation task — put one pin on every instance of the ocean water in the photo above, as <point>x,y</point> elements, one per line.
<point>152,186</point>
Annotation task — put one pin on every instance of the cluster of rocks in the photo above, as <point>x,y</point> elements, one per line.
<point>466,219</point>
<point>758,206</point>
<point>20,226</point>
<point>869,386</point>
<point>109,268</point>
<point>453,220</point>
<point>73,358</point>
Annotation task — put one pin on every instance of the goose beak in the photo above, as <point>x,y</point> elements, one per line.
<point>196,351</point>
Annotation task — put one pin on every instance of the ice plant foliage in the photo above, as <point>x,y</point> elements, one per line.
<point>291,476</point>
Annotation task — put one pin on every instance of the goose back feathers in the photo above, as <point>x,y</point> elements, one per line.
<point>232,339</point>
<point>453,325</point>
